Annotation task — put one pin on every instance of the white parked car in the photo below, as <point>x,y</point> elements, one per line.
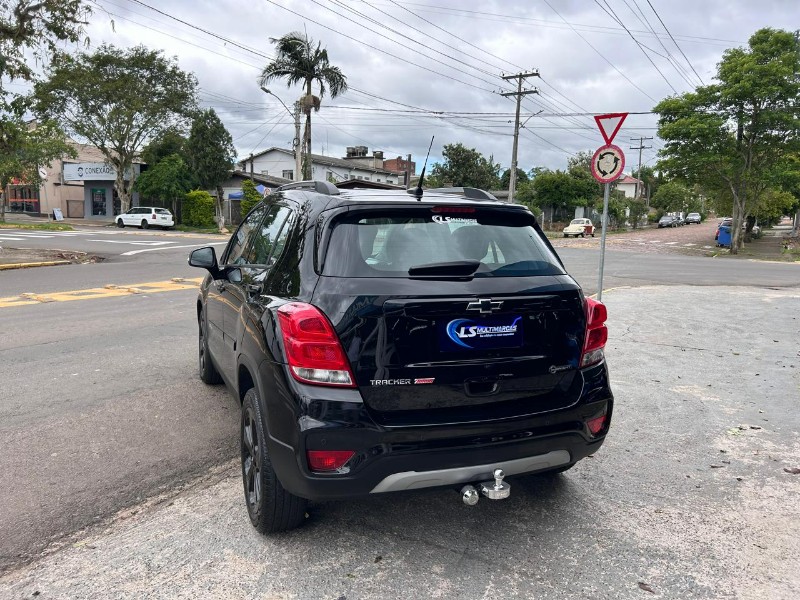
<point>146,216</point>
<point>579,227</point>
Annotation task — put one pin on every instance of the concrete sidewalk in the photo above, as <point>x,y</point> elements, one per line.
<point>692,495</point>
<point>22,219</point>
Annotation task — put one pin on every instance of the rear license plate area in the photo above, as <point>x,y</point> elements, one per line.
<point>461,335</point>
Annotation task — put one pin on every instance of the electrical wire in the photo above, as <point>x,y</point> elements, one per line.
<point>674,42</point>
<point>612,65</point>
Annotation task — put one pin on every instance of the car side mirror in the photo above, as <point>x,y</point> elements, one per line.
<point>204,258</point>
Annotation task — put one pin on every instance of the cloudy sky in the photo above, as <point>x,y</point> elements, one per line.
<point>433,67</point>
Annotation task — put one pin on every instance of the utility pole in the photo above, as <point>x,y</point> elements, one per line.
<point>519,77</point>
<point>640,147</point>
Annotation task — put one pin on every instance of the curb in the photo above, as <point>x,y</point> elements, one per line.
<point>49,263</point>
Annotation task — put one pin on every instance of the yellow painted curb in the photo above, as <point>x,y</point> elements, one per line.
<point>109,291</point>
<point>48,263</point>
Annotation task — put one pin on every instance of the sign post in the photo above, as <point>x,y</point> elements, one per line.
<point>608,163</point>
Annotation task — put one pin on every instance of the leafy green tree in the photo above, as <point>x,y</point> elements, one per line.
<point>650,179</point>
<point>580,162</point>
<point>167,180</point>
<point>637,209</point>
<point>465,167</point>
<point>564,191</point>
<point>29,33</point>
<point>211,156</point>
<point>169,141</point>
<point>298,60</point>
<point>251,196</point>
<point>505,180</point>
<point>33,30</point>
<point>733,133</point>
<point>25,148</point>
<point>671,197</point>
<point>117,100</point>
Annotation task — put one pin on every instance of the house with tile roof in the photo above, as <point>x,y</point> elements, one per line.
<point>279,162</point>
<point>630,186</point>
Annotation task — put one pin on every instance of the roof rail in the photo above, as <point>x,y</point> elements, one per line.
<point>468,192</point>
<point>321,187</point>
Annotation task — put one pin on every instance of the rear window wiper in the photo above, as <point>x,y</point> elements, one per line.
<point>455,268</point>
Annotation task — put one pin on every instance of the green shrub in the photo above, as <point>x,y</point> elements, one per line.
<point>198,209</point>
<point>251,196</point>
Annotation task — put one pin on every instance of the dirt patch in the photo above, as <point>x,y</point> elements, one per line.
<point>14,256</point>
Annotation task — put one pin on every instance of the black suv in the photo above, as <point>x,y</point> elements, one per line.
<point>380,342</point>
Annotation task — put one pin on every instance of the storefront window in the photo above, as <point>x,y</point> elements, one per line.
<point>99,208</point>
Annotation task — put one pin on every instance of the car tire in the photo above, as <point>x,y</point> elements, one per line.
<point>565,235</point>
<point>583,235</point>
<point>144,224</point>
<point>592,235</point>
<point>270,507</point>
<point>208,372</point>
<point>120,224</point>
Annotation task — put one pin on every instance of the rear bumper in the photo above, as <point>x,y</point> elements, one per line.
<point>389,459</point>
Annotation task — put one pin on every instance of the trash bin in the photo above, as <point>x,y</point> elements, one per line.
<point>724,238</point>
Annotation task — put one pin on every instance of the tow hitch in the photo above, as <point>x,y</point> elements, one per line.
<point>494,490</point>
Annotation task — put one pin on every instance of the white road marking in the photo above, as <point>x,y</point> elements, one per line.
<point>133,243</point>
<point>132,252</point>
<point>10,238</point>
<point>687,245</point>
<point>670,243</point>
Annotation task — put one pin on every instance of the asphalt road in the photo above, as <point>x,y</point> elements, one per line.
<point>688,498</point>
<point>101,406</point>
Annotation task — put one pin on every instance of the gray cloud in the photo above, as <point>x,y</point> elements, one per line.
<point>513,33</point>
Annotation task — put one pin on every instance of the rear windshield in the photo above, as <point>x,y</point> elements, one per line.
<point>162,211</point>
<point>385,243</point>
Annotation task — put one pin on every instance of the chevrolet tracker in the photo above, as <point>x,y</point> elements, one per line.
<point>380,341</point>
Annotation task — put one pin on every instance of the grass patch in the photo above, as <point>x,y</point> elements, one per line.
<point>38,226</point>
<point>189,229</point>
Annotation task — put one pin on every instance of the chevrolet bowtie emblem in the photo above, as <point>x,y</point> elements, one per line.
<point>485,305</point>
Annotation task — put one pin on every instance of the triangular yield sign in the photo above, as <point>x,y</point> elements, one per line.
<point>610,122</point>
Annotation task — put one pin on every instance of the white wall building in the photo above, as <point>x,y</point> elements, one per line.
<point>628,186</point>
<point>279,162</point>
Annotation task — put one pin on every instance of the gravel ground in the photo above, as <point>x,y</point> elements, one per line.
<point>695,240</point>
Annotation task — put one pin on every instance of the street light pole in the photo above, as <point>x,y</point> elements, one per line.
<point>298,161</point>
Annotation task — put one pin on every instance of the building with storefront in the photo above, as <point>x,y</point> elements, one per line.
<point>82,188</point>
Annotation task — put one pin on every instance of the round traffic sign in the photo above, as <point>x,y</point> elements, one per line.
<point>608,163</point>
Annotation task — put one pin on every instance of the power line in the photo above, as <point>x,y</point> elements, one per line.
<point>517,19</point>
<point>646,55</point>
<point>674,42</point>
<point>455,36</point>
<point>600,54</point>
<point>405,60</point>
<point>670,57</point>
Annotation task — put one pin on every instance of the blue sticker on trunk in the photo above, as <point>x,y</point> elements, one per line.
<point>479,334</point>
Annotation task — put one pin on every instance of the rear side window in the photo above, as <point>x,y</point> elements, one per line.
<point>386,243</point>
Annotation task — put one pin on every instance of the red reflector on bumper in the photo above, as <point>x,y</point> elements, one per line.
<point>328,460</point>
<point>596,425</point>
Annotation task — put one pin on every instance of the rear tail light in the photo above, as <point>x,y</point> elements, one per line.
<point>596,425</point>
<point>153,216</point>
<point>313,350</point>
<point>325,461</point>
<point>596,333</point>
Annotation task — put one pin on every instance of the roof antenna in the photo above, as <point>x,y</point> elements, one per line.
<point>418,191</point>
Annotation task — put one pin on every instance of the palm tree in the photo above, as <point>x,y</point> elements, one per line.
<point>300,61</point>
